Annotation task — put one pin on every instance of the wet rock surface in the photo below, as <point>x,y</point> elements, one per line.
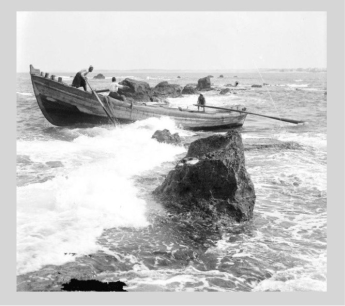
<point>166,137</point>
<point>211,179</point>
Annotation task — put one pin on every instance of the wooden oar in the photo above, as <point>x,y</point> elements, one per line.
<point>235,110</point>
<point>100,102</point>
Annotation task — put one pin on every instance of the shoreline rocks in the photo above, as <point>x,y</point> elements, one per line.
<point>166,137</point>
<point>164,89</point>
<point>204,83</point>
<point>211,179</point>
<point>136,90</point>
<point>190,89</point>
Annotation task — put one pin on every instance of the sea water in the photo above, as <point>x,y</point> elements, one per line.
<point>87,193</point>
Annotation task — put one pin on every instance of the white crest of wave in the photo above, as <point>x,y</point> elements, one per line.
<point>297,85</point>
<point>94,191</point>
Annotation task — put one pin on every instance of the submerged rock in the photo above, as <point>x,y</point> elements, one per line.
<point>224,91</point>
<point>166,137</point>
<point>190,89</point>
<point>211,179</point>
<point>99,76</point>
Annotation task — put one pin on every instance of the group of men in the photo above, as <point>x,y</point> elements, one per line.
<point>81,77</point>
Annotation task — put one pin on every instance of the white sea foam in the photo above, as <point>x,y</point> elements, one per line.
<point>297,85</point>
<point>94,190</point>
<point>25,93</point>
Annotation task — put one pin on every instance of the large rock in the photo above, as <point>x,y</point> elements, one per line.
<point>166,137</point>
<point>190,89</point>
<point>164,89</point>
<point>99,76</point>
<point>136,90</point>
<point>204,83</point>
<point>211,179</point>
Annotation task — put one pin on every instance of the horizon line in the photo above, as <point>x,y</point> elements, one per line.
<point>195,70</point>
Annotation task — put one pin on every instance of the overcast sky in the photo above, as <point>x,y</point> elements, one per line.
<point>69,41</point>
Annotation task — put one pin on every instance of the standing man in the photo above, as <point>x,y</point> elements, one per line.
<point>80,77</point>
<point>201,102</point>
<point>113,88</point>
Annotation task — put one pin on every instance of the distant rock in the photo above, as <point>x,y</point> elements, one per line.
<point>179,77</point>
<point>211,180</point>
<point>210,76</point>
<point>166,137</point>
<point>136,90</point>
<point>54,164</point>
<point>230,85</point>
<point>221,76</point>
<point>265,84</point>
<point>99,76</point>
<point>235,76</point>
<point>190,89</point>
<point>204,83</point>
<point>164,89</point>
<point>256,86</point>
<point>224,91</point>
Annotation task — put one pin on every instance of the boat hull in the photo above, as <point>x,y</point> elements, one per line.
<point>63,105</point>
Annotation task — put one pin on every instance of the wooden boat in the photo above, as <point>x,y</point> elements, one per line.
<point>63,105</point>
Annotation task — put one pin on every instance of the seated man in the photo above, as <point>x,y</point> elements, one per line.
<point>113,88</point>
<point>201,102</point>
<point>80,77</point>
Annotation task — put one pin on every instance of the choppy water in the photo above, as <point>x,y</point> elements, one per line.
<point>85,209</point>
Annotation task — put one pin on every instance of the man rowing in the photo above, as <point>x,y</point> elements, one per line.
<point>80,78</point>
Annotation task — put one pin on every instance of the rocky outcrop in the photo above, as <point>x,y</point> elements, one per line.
<point>164,89</point>
<point>190,89</point>
<point>99,76</point>
<point>224,91</point>
<point>54,164</point>
<point>204,83</point>
<point>211,179</point>
<point>166,137</point>
<point>136,90</point>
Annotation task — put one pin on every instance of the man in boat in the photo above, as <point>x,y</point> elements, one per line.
<point>80,77</point>
<point>201,102</point>
<point>113,90</point>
